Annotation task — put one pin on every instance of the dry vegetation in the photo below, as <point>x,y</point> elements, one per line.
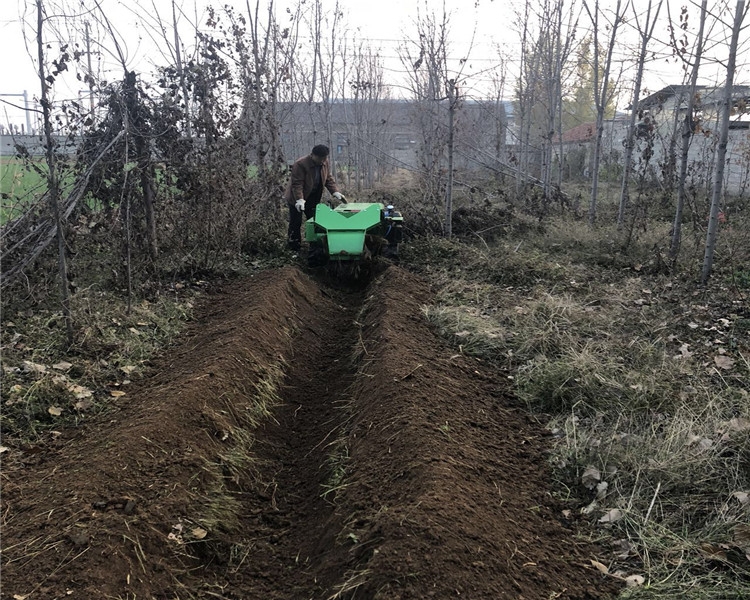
<point>642,377</point>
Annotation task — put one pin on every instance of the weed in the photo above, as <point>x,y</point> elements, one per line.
<point>627,387</point>
<point>111,347</point>
<point>336,465</point>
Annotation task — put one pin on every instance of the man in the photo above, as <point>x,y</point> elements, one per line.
<point>310,174</point>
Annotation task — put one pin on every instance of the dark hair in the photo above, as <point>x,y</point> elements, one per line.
<point>320,150</point>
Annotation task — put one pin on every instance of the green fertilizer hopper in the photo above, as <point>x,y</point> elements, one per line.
<point>353,232</point>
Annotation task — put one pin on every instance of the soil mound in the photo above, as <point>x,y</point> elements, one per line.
<point>299,442</point>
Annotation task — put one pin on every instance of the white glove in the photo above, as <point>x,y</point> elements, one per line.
<point>300,205</point>
<point>339,196</point>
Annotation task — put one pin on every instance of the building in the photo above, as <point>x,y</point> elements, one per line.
<point>661,116</point>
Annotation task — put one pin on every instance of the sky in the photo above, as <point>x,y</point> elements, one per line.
<point>479,28</point>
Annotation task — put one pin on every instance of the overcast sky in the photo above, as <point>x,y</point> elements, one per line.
<point>384,24</point>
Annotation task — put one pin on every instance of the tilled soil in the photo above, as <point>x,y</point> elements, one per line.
<point>300,442</point>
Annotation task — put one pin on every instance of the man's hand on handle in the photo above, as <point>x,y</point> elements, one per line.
<point>340,197</point>
<point>300,205</point>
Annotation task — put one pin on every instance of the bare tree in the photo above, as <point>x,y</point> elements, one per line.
<point>645,31</point>
<point>688,129</point>
<point>433,83</point>
<point>366,120</point>
<point>53,181</point>
<point>547,42</point>
<point>726,111</point>
<point>271,49</point>
<point>527,90</point>
<point>601,90</point>
<point>556,46</point>
<point>425,58</point>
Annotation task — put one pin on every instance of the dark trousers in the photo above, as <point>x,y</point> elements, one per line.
<point>295,221</point>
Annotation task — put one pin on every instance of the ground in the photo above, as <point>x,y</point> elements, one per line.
<point>302,440</point>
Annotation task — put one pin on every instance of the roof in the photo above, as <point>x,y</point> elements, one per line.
<point>709,95</point>
<point>579,134</point>
<point>664,94</point>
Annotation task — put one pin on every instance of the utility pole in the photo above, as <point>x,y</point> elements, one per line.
<point>26,109</point>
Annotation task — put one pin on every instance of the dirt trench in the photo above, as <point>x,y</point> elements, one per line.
<point>301,441</point>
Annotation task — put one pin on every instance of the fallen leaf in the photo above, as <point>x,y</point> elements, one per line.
<point>31,367</point>
<point>693,325</point>
<point>733,426</point>
<point>16,389</point>
<point>199,533</point>
<point>612,515</point>
<point>741,497</point>
<point>62,366</point>
<point>116,393</point>
<point>128,369</point>
<point>55,411</point>
<point>684,350</point>
<point>724,362</point>
<point>601,489</point>
<point>134,331</point>
<point>591,476</point>
<point>3,449</point>
<point>600,567</point>
<point>742,536</point>
<point>623,549</point>
<point>714,551</point>
<point>635,580</point>
<point>79,391</point>
<point>83,404</point>
<point>738,424</point>
<point>587,510</point>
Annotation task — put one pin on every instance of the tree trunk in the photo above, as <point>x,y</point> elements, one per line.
<point>143,160</point>
<point>713,221</point>
<point>53,180</point>
<point>688,129</point>
<point>452,102</point>
<point>645,34</point>
<point>181,73</point>
<point>601,97</point>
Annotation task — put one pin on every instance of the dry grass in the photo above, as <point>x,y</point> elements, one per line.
<point>620,358</point>
<point>48,384</point>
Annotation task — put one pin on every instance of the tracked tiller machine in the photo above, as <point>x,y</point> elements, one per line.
<point>351,235</point>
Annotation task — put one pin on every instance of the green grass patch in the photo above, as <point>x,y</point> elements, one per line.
<point>23,183</point>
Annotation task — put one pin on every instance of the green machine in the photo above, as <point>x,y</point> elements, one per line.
<point>353,232</point>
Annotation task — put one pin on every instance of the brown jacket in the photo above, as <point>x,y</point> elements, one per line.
<point>302,180</point>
